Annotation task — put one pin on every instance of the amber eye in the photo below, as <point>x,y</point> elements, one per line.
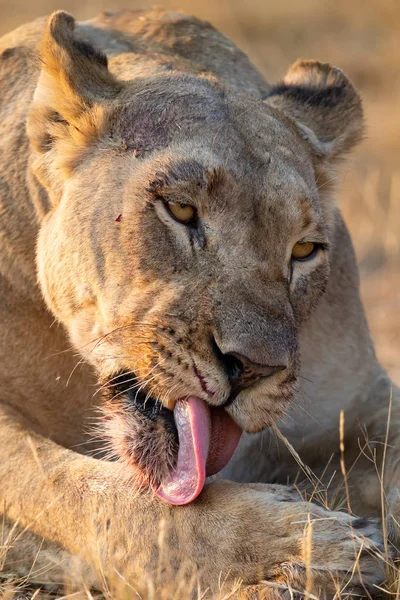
<point>303,250</point>
<point>184,213</point>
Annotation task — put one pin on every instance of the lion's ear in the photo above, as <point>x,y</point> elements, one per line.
<point>325,105</point>
<point>73,88</point>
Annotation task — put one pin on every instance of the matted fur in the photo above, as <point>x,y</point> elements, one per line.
<point>104,122</point>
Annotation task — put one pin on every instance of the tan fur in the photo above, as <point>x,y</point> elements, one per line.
<point>91,151</point>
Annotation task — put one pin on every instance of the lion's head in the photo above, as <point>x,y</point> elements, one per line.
<point>187,242</point>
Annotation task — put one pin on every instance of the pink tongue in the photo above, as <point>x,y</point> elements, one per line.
<point>201,437</point>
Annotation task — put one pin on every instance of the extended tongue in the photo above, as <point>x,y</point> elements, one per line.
<point>193,422</point>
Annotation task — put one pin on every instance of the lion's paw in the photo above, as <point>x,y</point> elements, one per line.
<point>341,554</point>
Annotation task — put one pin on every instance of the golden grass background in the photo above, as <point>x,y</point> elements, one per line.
<point>363,38</point>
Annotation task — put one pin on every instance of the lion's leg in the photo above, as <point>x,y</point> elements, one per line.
<point>377,480</point>
<point>373,467</point>
<point>392,472</point>
<point>39,481</point>
<point>55,505</point>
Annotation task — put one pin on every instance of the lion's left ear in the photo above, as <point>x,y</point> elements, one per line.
<point>324,104</point>
<point>73,91</point>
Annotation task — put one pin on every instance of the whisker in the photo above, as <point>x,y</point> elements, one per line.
<point>102,337</point>
<point>109,383</point>
<point>326,183</point>
<point>139,385</point>
<point>80,362</point>
<point>307,398</point>
<point>306,379</point>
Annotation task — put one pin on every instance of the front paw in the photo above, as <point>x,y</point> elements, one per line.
<point>247,533</point>
<point>261,532</point>
<point>340,555</point>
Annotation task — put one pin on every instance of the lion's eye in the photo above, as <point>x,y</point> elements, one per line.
<point>184,213</point>
<point>303,250</point>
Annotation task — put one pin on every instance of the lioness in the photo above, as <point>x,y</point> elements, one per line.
<point>170,213</point>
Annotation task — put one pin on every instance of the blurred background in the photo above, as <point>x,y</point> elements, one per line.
<point>363,38</point>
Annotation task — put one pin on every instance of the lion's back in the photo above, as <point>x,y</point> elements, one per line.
<point>176,41</point>
<point>175,35</point>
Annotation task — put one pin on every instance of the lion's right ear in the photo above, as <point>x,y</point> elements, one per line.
<point>325,106</point>
<point>73,88</point>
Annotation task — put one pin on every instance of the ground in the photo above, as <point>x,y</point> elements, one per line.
<point>363,38</point>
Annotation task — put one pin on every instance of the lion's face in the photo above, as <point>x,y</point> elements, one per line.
<point>186,248</point>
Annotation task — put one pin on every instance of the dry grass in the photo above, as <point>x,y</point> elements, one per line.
<point>362,37</point>
<point>182,586</point>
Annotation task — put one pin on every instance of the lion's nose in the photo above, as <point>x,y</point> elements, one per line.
<point>243,372</point>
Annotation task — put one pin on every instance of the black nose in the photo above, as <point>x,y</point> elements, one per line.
<point>243,372</point>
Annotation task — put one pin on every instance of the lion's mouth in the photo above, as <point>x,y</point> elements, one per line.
<point>201,438</point>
